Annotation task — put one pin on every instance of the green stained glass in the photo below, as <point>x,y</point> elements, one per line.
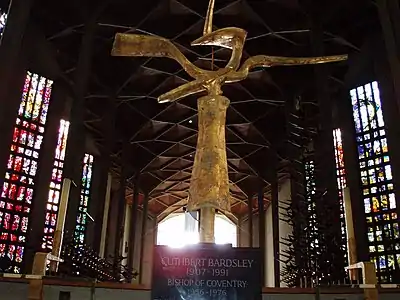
<point>81,220</point>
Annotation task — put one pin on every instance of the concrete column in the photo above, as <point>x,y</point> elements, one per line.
<point>351,237</point>
<point>106,212</point>
<point>121,204</point>
<point>111,237</point>
<point>127,231</point>
<point>262,231</point>
<point>108,128</point>
<point>12,74</point>
<point>269,249</point>
<point>285,195</point>
<point>76,142</point>
<point>98,200</point>
<point>275,228</point>
<point>250,218</point>
<point>133,224</point>
<point>145,213</point>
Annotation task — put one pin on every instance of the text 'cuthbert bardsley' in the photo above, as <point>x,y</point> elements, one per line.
<point>207,262</point>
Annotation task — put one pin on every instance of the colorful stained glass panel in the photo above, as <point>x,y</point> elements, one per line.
<point>3,20</point>
<point>341,182</point>
<point>377,180</point>
<point>81,221</point>
<point>18,188</point>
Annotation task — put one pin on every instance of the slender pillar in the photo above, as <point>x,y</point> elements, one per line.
<point>275,228</point>
<point>42,182</point>
<point>351,237</point>
<point>250,218</point>
<point>12,74</point>
<point>106,213</point>
<point>121,202</point>
<point>108,127</point>
<point>261,231</point>
<point>145,213</point>
<point>111,237</point>
<point>127,230</point>
<point>76,142</point>
<point>62,213</point>
<point>133,224</point>
<point>209,185</point>
<point>98,202</point>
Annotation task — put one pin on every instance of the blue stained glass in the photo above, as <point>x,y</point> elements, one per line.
<point>3,20</point>
<point>376,177</point>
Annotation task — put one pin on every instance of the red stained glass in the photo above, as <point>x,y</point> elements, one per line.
<point>341,181</point>
<point>18,188</point>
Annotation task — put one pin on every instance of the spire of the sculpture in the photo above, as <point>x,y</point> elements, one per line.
<point>209,18</point>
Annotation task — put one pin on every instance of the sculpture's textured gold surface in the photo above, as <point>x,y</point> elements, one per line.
<point>209,187</point>
<point>206,80</point>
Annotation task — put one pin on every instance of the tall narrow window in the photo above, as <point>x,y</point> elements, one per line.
<point>53,200</point>
<point>18,187</point>
<point>341,182</point>
<point>3,20</point>
<point>81,221</point>
<point>376,176</point>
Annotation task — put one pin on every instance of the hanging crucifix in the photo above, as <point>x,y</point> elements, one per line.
<point>209,185</point>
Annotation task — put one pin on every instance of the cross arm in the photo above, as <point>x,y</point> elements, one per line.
<point>137,45</point>
<point>273,61</point>
<point>183,91</point>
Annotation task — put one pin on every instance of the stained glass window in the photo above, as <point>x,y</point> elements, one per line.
<point>81,221</point>
<point>341,182</point>
<point>18,188</point>
<point>53,200</point>
<point>3,20</point>
<point>377,182</point>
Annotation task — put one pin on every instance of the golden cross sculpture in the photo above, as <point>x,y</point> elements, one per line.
<point>209,185</point>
